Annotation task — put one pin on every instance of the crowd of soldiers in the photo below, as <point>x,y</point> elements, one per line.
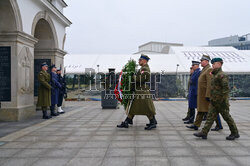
<point>51,90</point>
<point>209,94</point>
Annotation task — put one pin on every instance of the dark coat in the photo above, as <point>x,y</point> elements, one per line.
<point>193,89</point>
<point>44,89</point>
<point>62,82</point>
<point>142,103</point>
<point>55,88</point>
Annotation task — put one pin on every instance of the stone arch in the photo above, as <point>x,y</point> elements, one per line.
<point>43,15</point>
<point>10,16</point>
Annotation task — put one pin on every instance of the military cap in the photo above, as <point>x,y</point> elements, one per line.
<point>216,60</point>
<point>59,69</point>
<point>44,64</point>
<point>52,66</point>
<point>195,63</point>
<point>205,57</point>
<point>144,57</point>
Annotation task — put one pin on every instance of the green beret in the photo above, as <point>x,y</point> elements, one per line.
<point>216,60</point>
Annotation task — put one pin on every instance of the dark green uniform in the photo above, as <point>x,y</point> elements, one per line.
<point>44,90</point>
<point>219,101</point>
<point>142,103</point>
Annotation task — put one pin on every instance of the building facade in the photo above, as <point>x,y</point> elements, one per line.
<point>31,32</point>
<point>156,47</point>
<point>238,42</point>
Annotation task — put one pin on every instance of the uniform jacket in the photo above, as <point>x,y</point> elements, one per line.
<point>55,88</point>
<point>142,103</point>
<point>44,89</point>
<point>204,87</point>
<point>192,97</point>
<point>219,89</point>
<point>62,82</point>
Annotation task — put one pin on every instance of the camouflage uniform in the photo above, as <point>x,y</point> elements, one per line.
<point>219,102</point>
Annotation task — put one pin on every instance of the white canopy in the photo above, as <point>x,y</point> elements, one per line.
<point>234,60</point>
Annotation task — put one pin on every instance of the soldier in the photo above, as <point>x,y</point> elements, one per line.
<point>44,90</point>
<point>55,90</point>
<point>62,91</point>
<point>219,102</point>
<point>203,98</point>
<point>142,103</point>
<point>192,95</point>
<point>188,113</point>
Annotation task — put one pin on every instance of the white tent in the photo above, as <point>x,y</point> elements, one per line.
<point>235,61</point>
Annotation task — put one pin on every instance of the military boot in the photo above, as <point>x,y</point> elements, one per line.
<point>130,121</point>
<point>201,134</point>
<point>52,111</point>
<point>193,127</point>
<point>45,116</point>
<point>233,136</point>
<point>151,125</point>
<point>155,121</point>
<point>125,123</point>
<point>186,118</point>
<point>217,128</point>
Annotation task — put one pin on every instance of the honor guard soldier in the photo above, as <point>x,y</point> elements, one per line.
<point>44,90</point>
<point>142,103</point>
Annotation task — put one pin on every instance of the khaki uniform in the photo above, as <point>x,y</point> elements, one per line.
<point>204,89</point>
<point>204,86</point>
<point>44,90</point>
<point>219,102</point>
<point>142,103</point>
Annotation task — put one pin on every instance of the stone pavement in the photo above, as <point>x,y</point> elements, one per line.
<point>88,136</point>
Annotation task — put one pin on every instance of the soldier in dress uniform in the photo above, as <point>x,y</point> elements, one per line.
<point>62,91</point>
<point>44,90</point>
<point>55,90</point>
<point>142,103</point>
<point>192,95</point>
<point>188,113</point>
<point>219,102</point>
<point>203,98</point>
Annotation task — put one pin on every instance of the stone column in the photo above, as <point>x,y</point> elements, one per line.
<point>21,105</point>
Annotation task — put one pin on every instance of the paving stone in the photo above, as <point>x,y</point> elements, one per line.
<point>90,137</point>
<point>19,161</point>
<point>218,161</point>
<point>91,152</point>
<point>121,161</point>
<point>159,152</point>
<point>51,162</point>
<point>149,161</point>
<point>121,152</point>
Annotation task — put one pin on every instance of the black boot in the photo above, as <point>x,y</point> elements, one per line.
<point>125,123</point>
<point>151,125</point>
<point>217,128</point>
<point>185,119</point>
<point>233,136</point>
<point>45,116</point>
<point>130,121</point>
<point>52,111</point>
<point>155,121</point>
<point>193,127</point>
<point>200,134</point>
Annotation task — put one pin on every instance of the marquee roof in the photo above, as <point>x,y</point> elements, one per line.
<point>234,60</point>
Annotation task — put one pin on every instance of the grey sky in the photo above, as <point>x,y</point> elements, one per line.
<point>120,26</point>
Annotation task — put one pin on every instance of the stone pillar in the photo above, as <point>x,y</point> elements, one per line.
<point>21,105</point>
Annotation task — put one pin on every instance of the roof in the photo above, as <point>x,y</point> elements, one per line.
<point>235,60</point>
<point>163,43</point>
